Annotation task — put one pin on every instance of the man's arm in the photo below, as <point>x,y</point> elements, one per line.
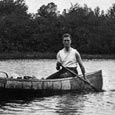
<point>81,64</point>
<point>58,64</point>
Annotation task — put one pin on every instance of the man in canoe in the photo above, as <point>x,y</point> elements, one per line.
<point>67,60</point>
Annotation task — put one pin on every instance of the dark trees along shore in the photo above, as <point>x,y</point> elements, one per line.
<point>93,31</point>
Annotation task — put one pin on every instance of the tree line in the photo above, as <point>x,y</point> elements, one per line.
<point>93,31</point>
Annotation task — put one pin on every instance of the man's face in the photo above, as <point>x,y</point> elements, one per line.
<point>67,42</point>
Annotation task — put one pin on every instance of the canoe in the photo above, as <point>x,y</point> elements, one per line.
<point>46,86</point>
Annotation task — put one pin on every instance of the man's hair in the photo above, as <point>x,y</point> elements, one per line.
<point>66,35</point>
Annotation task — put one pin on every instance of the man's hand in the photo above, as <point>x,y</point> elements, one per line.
<point>58,65</point>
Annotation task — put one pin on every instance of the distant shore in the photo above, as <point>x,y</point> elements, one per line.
<point>47,55</point>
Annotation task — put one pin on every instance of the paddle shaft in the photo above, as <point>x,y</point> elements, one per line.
<point>80,78</point>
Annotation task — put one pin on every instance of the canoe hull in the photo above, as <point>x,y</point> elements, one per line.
<point>53,85</point>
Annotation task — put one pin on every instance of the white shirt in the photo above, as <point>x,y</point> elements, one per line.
<point>67,58</point>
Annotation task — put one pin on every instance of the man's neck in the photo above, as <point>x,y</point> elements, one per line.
<point>67,49</point>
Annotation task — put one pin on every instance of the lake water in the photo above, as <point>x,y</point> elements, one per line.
<point>102,103</point>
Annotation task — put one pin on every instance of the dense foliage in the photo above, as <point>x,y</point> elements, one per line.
<point>92,32</point>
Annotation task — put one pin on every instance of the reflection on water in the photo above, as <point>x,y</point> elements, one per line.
<point>67,104</point>
<point>102,103</point>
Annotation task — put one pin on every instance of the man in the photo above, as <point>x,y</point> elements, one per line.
<point>69,58</point>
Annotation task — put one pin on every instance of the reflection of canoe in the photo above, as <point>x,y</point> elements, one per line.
<point>52,85</point>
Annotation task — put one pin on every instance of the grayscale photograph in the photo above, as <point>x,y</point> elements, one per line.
<point>57,57</point>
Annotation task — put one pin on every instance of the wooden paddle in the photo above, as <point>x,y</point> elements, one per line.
<point>80,78</point>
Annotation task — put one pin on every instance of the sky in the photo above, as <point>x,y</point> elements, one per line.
<point>34,5</point>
